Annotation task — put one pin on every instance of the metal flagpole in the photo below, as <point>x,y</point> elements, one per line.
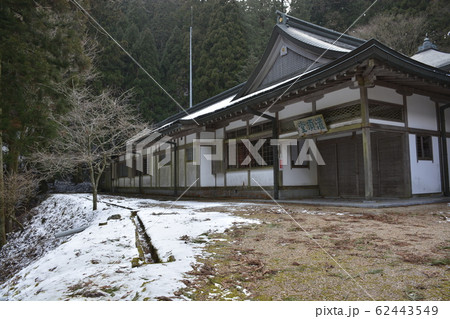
<point>190,63</point>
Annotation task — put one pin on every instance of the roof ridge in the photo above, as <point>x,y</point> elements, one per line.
<point>201,105</point>
<point>314,28</point>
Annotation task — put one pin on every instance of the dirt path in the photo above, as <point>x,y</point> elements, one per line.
<point>391,254</point>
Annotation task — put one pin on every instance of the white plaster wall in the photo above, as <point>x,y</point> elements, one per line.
<point>165,176</point>
<point>448,155</point>
<point>220,177</point>
<point>220,133</point>
<point>295,109</point>
<point>421,112</point>
<point>191,174</point>
<point>377,121</point>
<point>236,124</point>
<point>425,175</point>
<point>447,120</point>
<point>220,180</point>
<point>124,182</point>
<point>237,178</point>
<point>384,94</point>
<point>155,171</point>
<point>207,135</point>
<point>300,176</point>
<point>145,180</point>
<point>181,168</point>
<point>207,179</point>
<point>190,138</point>
<point>337,97</point>
<point>264,177</point>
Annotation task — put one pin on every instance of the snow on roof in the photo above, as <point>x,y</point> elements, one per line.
<point>433,57</point>
<point>229,100</point>
<point>212,108</point>
<point>314,41</point>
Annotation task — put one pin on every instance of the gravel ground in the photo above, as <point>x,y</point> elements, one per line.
<point>325,253</point>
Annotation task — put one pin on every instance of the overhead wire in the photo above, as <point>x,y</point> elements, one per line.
<point>84,11</point>
<point>313,63</point>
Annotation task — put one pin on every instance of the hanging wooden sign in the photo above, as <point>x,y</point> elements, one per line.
<point>311,125</point>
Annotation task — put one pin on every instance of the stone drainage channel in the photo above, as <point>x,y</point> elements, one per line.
<point>147,252</point>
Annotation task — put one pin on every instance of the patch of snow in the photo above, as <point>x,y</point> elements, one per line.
<point>96,264</point>
<point>56,214</point>
<point>165,226</point>
<point>314,212</point>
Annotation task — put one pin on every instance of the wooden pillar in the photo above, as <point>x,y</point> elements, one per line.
<point>367,146</point>
<point>175,173</point>
<point>276,162</point>
<point>2,183</point>
<point>197,167</point>
<point>444,151</point>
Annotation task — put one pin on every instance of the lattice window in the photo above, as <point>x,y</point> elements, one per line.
<point>241,153</point>
<point>342,114</point>
<point>424,147</point>
<point>144,165</point>
<point>237,133</point>
<point>266,152</point>
<point>386,112</point>
<point>122,169</point>
<point>162,155</point>
<point>288,126</point>
<point>261,128</point>
<point>189,154</point>
<point>295,153</point>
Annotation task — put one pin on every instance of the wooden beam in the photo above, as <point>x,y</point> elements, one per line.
<point>314,97</point>
<point>367,147</point>
<point>438,97</point>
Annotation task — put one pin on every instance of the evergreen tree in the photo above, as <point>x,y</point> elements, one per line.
<point>301,9</point>
<point>40,45</point>
<point>151,101</point>
<point>175,65</point>
<point>259,18</point>
<point>228,41</point>
<point>224,51</point>
<point>41,50</point>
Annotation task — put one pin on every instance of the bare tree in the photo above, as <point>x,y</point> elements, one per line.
<point>90,134</point>
<point>19,188</point>
<point>2,185</point>
<point>401,32</point>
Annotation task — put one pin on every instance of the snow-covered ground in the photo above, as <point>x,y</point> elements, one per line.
<point>97,263</point>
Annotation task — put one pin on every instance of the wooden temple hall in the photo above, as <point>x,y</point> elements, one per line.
<point>383,121</point>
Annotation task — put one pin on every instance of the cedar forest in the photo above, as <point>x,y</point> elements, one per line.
<point>47,44</point>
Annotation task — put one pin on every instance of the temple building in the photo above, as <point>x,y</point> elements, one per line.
<point>379,120</point>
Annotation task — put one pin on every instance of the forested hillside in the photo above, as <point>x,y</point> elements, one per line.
<point>47,44</point>
<point>230,36</point>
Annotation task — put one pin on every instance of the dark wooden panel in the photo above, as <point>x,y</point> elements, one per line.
<point>391,165</point>
<point>328,172</point>
<point>343,174</point>
<point>347,167</point>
